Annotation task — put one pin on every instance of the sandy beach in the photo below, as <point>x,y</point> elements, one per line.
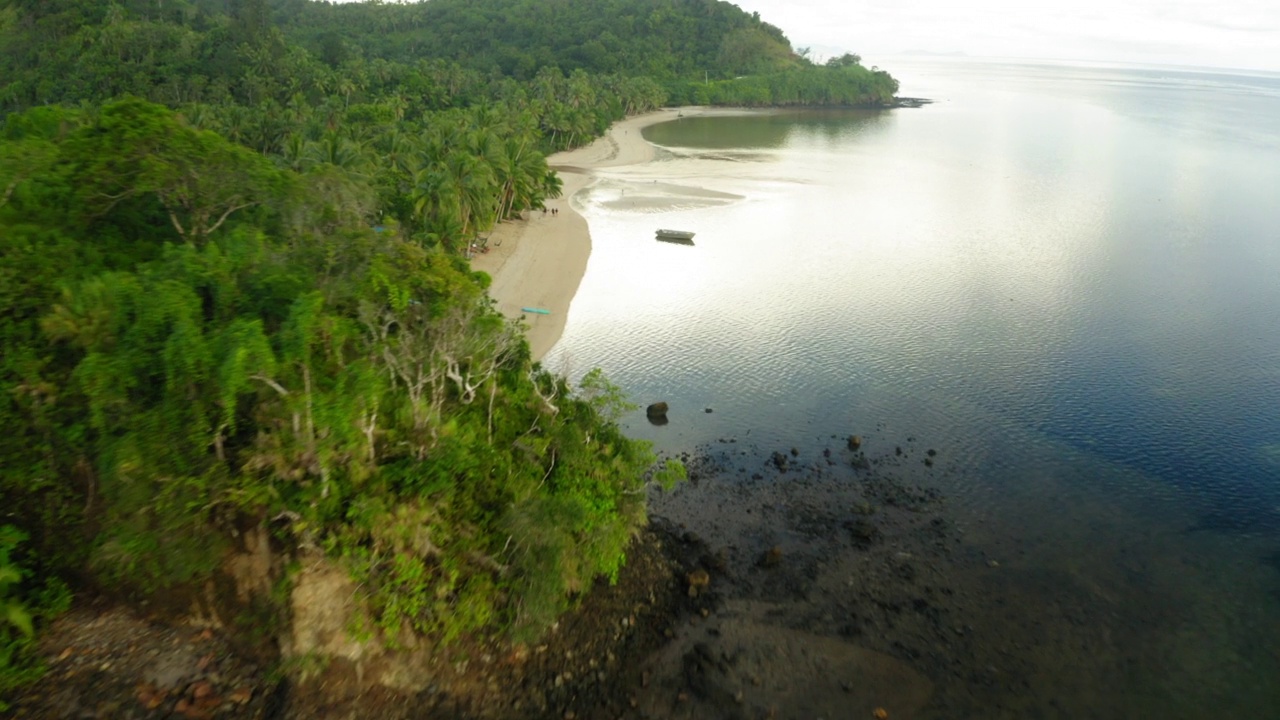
<point>539,262</point>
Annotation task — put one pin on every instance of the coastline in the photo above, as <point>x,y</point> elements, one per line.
<point>539,262</point>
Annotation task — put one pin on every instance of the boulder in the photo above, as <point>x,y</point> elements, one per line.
<point>658,409</point>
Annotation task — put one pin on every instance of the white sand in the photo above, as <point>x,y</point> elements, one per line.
<point>539,262</point>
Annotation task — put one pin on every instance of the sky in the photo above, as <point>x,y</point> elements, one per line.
<point>1210,33</point>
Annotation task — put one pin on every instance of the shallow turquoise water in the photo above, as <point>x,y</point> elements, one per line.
<point>1065,279</point>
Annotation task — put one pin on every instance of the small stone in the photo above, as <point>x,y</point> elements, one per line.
<point>705,612</point>
<point>241,695</point>
<point>150,696</point>
<point>201,689</point>
<point>855,442</point>
<point>683,697</point>
<point>708,411</point>
<point>993,563</point>
<point>570,715</point>
<point>772,557</point>
<point>699,581</point>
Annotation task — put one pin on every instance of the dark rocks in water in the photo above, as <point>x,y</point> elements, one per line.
<point>861,463</point>
<point>864,531</point>
<point>657,413</point>
<point>706,674</point>
<point>931,452</point>
<point>897,450</point>
<point>779,461</point>
<point>795,452</point>
<point>928,462</point>
<point>826,452</point>
<point>708,411</point>
<point>855,442</point>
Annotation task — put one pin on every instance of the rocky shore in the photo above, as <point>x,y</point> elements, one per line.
<point>782,592</point>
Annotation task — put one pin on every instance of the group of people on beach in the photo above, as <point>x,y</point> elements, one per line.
<point>554,211</point>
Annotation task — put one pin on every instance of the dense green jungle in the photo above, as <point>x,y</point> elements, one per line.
<point>234,294</point>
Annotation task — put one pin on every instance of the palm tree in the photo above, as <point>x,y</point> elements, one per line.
<point>335,149</point>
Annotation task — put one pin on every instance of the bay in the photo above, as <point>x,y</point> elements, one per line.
<point>1064,280</point>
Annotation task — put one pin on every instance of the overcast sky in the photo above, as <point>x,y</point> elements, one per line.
<point>1214,33</point>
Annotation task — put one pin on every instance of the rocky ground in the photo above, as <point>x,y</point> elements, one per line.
<point>107,661</point>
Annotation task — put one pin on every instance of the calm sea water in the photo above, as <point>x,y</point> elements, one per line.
<point>1066,279</point>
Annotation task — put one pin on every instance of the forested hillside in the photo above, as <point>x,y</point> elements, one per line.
<point>662,39</point>
<point>454,52</point>
<point>235,294</point>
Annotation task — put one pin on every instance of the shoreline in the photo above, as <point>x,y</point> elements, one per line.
<point>539,262</point>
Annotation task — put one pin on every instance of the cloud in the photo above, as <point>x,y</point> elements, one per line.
<point>1225,33</point>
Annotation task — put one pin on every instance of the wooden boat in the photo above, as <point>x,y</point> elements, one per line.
<point>678,236</point>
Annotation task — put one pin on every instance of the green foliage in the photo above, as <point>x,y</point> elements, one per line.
<point>606,399</point>
<point>288,361</point>
<point>235,287</point>
<point>656,38</point>
<point>19,616</point>
<point>13,616</point>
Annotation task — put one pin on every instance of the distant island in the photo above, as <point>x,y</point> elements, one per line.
<point>248,372</point>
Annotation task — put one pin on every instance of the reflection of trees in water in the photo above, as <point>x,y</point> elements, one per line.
<point>764,130</point>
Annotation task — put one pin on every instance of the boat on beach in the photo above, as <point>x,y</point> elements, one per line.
<point>678,236</point>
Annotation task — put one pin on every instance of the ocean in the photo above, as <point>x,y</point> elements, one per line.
<point>1064,282</point>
